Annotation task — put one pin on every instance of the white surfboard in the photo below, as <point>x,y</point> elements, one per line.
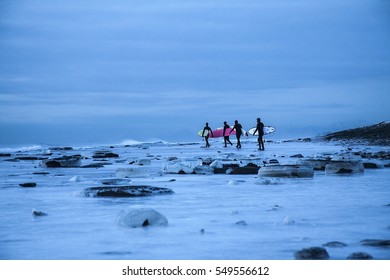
<point>267,130</point>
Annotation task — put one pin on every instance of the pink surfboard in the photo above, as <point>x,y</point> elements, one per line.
<point>219,132</point>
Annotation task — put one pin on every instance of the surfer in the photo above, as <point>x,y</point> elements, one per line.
<point>238,128</point>
<point>206,132</point>
<point>226,137</point>
<point>260,130</point>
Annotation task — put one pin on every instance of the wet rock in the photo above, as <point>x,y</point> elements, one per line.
<point>375,242</point>
<point>312,253</point>
<point>317,164</point>
<point>38,213</point>
<point>297,156</point>
<point>372,165</point>
<point>5,154</point>
<point>30,158</point>
<point>105,154</point>
<point>288,171</point>
<point>334,244</point>
<point>41,173</point>
<point>245,170</point>
<point>241,223</point>
<point>28,185</point>
<point>64,162</point>
<point>126,191</point>
<point>140,217</point>
<point>344,167</point>
<point>359,256</point>
<point>94,165</point>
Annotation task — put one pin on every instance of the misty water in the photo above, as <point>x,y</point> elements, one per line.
<point>214,216</point>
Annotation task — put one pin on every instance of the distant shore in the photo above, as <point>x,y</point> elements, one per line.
<point>377,135</point>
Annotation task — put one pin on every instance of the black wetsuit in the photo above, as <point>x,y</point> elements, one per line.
<point>238,128</point>
<point>208,135</point>
<point>260,130</point>
<point>226,137</point>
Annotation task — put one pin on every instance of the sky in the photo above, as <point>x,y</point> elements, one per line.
<point>94,71</point>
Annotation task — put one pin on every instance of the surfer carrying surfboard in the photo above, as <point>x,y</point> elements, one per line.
<point>260,130</point>
<point>238,128</point>
<point>206,131</point>
<point>226,137</point>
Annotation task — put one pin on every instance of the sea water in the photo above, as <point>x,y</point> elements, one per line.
<point>209,216</point>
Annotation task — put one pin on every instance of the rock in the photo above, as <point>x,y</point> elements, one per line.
<point>38,213</point>
<point>94,165</point>
<point>372,165</point>
<point>41,173</point>
<point>344,167</point>
<point>61,149</point>
<point>359,256</point>
<point>28,185</point>
<point>245,170</point>
<point>289,171</point>
<point>105,154</point>
<point>334,244</point>
<point>181,167</point>
<point>375,242</point>
<point>133,172</point>
<point>273,161</point>
<point>5,154</point>
<point>126,191</point>
<point>317,164</point>
<point>241,223</point>
<point>297,156</point>
<point>30,158</point>
<point>312,253</point>
<point>65,161</point>
<point>143,162</point>
<point>140,217</point>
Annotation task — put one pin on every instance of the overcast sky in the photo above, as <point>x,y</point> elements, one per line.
<point>94,71</point>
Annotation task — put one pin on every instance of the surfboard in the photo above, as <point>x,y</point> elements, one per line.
<point>205,133</point>
<point>217,133</point>
<point>267,130</point>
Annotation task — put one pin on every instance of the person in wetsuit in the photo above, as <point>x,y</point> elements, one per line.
<point>238,128</point>
<point>207,135</point>
<point>260,130</point>
<point>226,136</point>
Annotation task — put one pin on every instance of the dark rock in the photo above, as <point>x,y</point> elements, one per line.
<point>5,155</point>
<point>61,148</point>
<point>359,256</point>
<point>387,165</point>
<point>312,253</point>
<point>245,170</point>
<point>30,158</point>
<point>105,154</point>
<point>334,244</point>
<point>241,223</point>
<point>94,165</point>
<point>28,185</point>
<point>297,156</point>
<point>375,242</point>
<point>371,165</point>
<point>65,161</point>
<point>38,213</point>
<point>273,161</point>
<point>41,173</point>
<point>126,191</point>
